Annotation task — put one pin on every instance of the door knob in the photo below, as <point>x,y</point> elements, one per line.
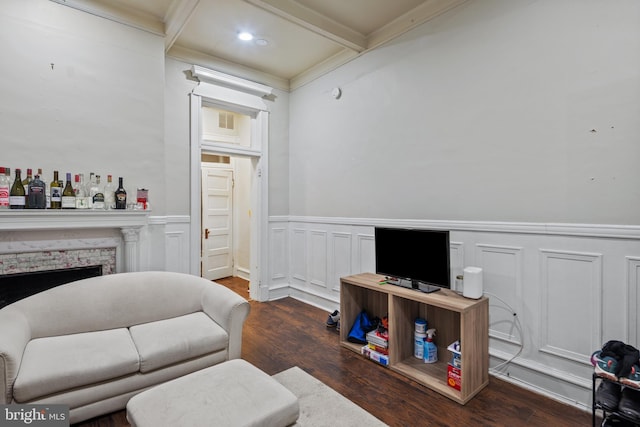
<point>206,233</point>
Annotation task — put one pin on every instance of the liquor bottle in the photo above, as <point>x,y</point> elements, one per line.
<point>37,193</point>
<point>78,190</point>
<point>109,194</point>
<point>16,196</point>
<point>97,194</point>
<point>68,195</point>
<point>25,184</point>
<point>56,192</point>
<point>121,196</point>
<point>5,189</point>
<point>47,194</point>
<point>90,185</point>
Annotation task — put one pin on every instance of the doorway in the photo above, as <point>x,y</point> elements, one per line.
<point>226,217</point>
<point>253,106</point>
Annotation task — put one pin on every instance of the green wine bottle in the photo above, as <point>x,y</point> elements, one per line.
<point>17,198</point>
<point>68,195</point>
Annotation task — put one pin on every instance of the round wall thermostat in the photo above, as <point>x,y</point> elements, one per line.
<point>336,92</point>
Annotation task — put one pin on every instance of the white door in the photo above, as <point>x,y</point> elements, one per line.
<point>217,224</point>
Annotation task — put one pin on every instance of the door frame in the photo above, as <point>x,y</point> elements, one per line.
<point>251,104</point>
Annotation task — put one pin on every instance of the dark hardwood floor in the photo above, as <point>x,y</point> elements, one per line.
<point>285,333</point>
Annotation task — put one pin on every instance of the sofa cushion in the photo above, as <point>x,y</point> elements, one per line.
<point>170,341</point>
<point>54,364</point>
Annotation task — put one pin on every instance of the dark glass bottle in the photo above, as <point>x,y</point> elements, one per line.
<point>25,184</point>
<point>56,192</point>
<point>121,196</point>
<point>37,194</point>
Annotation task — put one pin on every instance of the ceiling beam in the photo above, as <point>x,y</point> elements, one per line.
<point>314,21</point>
<point>108,10</point>
<point>176,19</point>
<point>428,10</point>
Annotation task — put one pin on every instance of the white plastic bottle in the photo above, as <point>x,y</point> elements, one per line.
<point>430,348</point>
<point>418,344</point>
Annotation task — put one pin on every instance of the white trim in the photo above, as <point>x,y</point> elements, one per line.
<point>247,102</point>
<point>220,79</point>
<point>589,230</point>
<point>51,219</point>
<point>230,150</point>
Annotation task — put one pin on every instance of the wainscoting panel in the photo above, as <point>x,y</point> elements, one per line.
<point>318,258</point>
<point>633,286</point>
<point>572,287</point>
<point>502,275</point>
<point>278,255</point>
<point>456,255</point>
<point>176,243</point>
<point>365,253</point>
<point>339,259</point>
<point>298,255</point>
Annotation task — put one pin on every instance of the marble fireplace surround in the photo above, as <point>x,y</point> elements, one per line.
<point>72,234</point>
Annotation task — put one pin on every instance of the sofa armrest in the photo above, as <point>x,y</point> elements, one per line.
<point>15,334</point>
<point>229,310</point>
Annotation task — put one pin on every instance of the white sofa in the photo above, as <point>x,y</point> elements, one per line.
<point>94,343</point>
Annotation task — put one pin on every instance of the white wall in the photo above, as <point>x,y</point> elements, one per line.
<point>81,94</point>
<point>512,123</point>
<point>499,110</point>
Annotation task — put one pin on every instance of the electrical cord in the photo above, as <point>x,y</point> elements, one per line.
<point>518,327</point>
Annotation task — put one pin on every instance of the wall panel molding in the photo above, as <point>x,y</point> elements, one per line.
<point>571,302</point>
<point>278,251</point>
<point>633,292</point>
<point>318,258</point>
<point>502,279</point>
<point>573,286</point>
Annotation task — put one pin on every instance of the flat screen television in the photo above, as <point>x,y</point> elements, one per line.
<point>415,258</point>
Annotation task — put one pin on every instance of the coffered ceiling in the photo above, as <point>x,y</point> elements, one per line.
<point>294,40</point>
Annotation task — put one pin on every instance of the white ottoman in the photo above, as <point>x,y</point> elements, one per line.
<point>234,393</point>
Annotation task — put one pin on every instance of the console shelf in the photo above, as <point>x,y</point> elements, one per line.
<point>453,316</point>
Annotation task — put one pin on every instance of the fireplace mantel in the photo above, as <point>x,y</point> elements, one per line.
<point>128,222</point>
<point>22,220</point>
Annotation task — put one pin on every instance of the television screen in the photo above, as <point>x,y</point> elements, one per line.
<point>417,255</point>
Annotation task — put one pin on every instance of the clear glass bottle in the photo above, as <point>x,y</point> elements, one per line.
<point>97,194</point>
<point>16,196</point>
<point>68,195</point>
<point>109,194</point>
<point>5,188</point>
<point>78,189</point>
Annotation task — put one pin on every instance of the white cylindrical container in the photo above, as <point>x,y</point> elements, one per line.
<point>472,282</point>
<point>421,325</point>
<point>418,344</point>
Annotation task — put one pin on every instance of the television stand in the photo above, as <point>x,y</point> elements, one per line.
<point>453,316</point>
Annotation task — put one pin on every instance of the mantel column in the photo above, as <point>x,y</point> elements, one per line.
<point>131,238</point>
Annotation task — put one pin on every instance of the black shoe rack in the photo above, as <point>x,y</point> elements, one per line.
<point>625,419</point>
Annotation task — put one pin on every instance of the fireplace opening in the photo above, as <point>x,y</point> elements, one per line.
<point>14,287</point>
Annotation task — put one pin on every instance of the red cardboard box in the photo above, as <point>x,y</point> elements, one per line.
<point>454,376</point>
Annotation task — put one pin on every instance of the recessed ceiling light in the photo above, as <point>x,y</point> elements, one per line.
<point>262,42</point>
<point>245,36</point>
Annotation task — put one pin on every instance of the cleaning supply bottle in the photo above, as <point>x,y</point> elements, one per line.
<point>430,349</point>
